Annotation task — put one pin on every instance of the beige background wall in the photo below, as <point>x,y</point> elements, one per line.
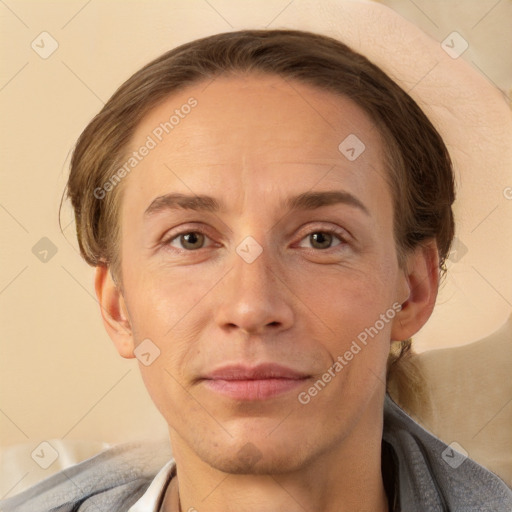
<point>60,377</point>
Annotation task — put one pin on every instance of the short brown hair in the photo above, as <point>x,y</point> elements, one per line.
<point>418,164</point>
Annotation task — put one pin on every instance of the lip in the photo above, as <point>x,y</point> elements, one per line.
<point>261,382</point>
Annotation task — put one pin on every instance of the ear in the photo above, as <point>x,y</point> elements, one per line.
<point>420,282</point>
<point>114,312</point>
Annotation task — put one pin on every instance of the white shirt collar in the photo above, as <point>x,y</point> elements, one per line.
<point>149,501</point>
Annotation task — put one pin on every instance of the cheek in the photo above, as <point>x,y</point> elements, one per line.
<point>161,297</point>
<point>347,299</point>
<point>357,308</point>
<point>168,307</point>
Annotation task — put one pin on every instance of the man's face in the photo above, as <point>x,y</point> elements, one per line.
<point>301,292</point>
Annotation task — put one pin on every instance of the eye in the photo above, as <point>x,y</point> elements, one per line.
<point>323,239</point>
<point>188,240</point>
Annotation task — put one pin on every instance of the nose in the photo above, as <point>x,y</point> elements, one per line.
<point>254,297</point>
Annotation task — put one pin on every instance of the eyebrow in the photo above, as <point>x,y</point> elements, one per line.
<point>304,201</point>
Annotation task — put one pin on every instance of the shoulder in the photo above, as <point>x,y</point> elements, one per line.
<point>435,476</point>
<point>114,479</point>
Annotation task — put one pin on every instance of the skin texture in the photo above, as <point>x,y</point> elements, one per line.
<point>251,142</point>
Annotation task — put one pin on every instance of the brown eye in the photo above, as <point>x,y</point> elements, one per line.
<point>190,241</point>
<point>321,240</point>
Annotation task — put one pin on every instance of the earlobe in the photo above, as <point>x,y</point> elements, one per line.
<point>114,312</point>
<point>421,281</point>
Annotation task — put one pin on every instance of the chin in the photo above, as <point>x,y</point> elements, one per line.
<point>248,458</point>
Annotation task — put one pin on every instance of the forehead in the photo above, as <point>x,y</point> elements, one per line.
<point>257,131</point>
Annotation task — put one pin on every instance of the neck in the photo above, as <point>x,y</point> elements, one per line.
<point>345,478</point>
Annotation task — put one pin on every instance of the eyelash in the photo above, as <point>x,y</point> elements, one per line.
<point>339,234</point>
